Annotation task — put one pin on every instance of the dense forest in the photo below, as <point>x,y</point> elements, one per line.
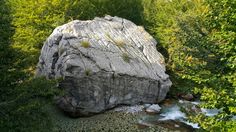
<point>197,38</point>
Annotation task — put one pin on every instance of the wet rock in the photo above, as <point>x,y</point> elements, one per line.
<point>175,125</point>
<point>146,105</point>
<point>130,109</point>
<point>189,107</point>
<point>196,109</point>
<point>188,96</point>
<point>168,102</point>
<point>210,112</point>
<point>153,109</point>
<point>104,62</point>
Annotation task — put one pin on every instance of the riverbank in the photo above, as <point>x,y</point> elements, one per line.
<point>126,118</point>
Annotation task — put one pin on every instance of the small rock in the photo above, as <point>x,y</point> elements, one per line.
<point>176,125</point>
<point>188,96</point>
<point>184,102</point>
<point>146,105</point>
<point>153,109</point>
<point>130,109</point>
<point>189,107</point>
<point>196,109</point>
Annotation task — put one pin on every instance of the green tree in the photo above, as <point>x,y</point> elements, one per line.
<point>198,39</point>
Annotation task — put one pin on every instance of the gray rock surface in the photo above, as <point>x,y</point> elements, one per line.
<point>153,109</point>
<point>104,62</point>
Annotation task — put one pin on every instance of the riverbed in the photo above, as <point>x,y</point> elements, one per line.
<point>132,119</point>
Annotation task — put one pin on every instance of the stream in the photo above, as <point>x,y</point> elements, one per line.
<point>170,116</point>
<point>134,118</point>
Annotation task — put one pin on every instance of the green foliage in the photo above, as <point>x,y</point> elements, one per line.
<point>177,25</point>
<point>6,52</point>
<point>220,21</point>
<point>25,25</point>
<point>88,9</point>
<point>197,38</point>
<point>26,111</point>
<point>217,123</point>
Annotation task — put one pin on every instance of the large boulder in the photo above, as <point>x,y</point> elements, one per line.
<point>104,62</point>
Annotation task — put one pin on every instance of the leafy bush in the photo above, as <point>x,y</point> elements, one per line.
<point>177,25</point>
<point>221,92</point>
<point>198,39</point>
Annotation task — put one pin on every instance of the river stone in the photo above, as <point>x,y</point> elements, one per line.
<point>153,109</point>
<point>104,62</point>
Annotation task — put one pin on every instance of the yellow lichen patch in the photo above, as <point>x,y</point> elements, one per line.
<point>85,44</point>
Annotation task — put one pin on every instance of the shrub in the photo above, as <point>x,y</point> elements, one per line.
<point>197,40</point>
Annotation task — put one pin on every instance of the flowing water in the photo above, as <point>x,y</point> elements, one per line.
<point>134,118</point>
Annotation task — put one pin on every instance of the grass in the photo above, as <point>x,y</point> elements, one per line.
<point>85,44</point>
<point>120,42</point>
<point>126,57</point>
<point>87,72</point>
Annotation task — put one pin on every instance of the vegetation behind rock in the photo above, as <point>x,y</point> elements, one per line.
<point>197,38</point>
